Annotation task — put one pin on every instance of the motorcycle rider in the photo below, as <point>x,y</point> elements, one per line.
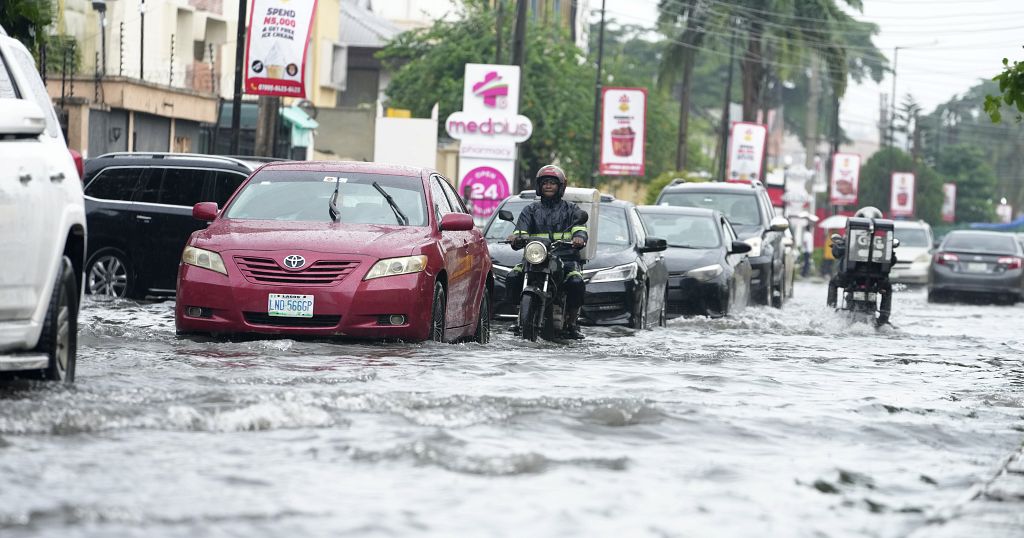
<point>557,217</point>
<point>840,278</point>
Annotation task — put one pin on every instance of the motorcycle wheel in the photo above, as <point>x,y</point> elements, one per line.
<point>529,309</point>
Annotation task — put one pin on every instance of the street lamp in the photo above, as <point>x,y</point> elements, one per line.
<point>101,7</point>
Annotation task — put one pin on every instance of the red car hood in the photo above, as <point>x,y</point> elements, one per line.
<point>334,238</point>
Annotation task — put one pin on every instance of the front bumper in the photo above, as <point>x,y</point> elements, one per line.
<point>609,303</point>
<point>910,273</point>
<point>945,279</point>
<point>688,296</point>
<point>352,308</point>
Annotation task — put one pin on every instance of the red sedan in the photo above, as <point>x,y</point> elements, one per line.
<point>350,249</point>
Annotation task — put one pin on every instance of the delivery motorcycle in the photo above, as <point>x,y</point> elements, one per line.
<point>864,258</point>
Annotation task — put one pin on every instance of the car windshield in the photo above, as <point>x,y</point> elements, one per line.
<point>740,209</point>
<point>995,243</point>
<point>912,237</point>
<point>501,229</point>
<point>687,231</point>
<point>611,230</point>
<point>304,196</point>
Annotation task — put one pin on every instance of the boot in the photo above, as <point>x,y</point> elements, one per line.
<point>571,329</point>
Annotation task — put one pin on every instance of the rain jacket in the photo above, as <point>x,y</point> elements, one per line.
<point>557,217</point>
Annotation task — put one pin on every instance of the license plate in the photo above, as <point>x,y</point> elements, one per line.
<point>977,267</point>
<point>290,306</point>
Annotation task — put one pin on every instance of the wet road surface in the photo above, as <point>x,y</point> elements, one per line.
<point>791,423</point>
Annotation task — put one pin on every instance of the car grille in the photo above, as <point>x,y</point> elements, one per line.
<point>318,320</point>
<point>320,273</point>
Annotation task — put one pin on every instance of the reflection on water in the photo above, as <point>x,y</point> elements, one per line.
<point>792,423</point>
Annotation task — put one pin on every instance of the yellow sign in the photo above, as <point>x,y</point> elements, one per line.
<point>398,113</point>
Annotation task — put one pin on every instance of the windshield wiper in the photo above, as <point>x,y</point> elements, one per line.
<point>332,204</point>
<point>402,219</point>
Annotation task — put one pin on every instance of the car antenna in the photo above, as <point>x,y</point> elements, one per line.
<point>332,205</point>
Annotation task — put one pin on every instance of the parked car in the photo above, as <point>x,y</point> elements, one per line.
<point>627,280</point>
<point>708,268</point>
<point>42,226</point>
<point>914,255</point>
<point>402,260</point>
<point>749,209</point>
<point>139,209</point>
<point>972,262</point>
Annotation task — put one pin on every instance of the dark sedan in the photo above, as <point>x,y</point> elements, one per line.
<point>708,267</point>
<point>626,282</point>
<point>977,263</point>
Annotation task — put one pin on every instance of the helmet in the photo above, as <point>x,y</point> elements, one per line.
<point>869,212</point>
<point>551,171</point>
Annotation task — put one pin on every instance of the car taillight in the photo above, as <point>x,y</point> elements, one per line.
<point>79,166</point>
<point>1010,262</point>
<point>945,258</point>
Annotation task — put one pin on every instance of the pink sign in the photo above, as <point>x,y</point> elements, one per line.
<point>845,178</point>
<point>485,188</point>
<point>901,198</point>
<point>948,202</point>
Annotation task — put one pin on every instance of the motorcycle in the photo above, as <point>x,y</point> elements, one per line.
<point>542,301</point>
<point>864,258</point>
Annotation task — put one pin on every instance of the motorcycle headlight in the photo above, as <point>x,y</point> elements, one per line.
<point>705,273</point>
<point>535,252</point>
<point>397,266</point>
<point>207,259</point>
<point>613,274</point>
<point>755,246</point>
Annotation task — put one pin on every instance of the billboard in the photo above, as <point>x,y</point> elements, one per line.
<point>948,202</point>
<point>746,151</point>
<point>275,52</point>
<point>845,178</point>
<point>623,129</point>
<point>901,197</point>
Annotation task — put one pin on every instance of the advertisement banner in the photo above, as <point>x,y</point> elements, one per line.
<point>623,128</point>
<point>276,46</point>
<point>746,151</point>
<point>948,202</point>
<point>901,197</point>
<point>845,178</point>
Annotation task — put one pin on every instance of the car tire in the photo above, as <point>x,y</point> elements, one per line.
<point>777,295</point>
<point>934,296</point>
<point>109,274</point>
<point>765,297</point>
<point>438,312</point>
<point>59,339</point>
<point>639,318</point>
<point>483,323</point>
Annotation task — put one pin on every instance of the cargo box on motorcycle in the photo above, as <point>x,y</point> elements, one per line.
<point>589,200</point>
<point>868,247</point>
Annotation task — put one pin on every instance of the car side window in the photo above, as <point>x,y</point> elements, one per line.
<point>638,227</point>
<point>730,234</point>
<point>441,205</point>
<point>453,198</point>
<point>7,89</point>
<point>182,186</point>
<point>37,90</point>
<point>224,185</point>
<point>114,184</point>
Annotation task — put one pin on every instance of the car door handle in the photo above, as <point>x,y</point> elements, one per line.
<point>25,177</point>
<point>143,218</point>
<point>59,176</point>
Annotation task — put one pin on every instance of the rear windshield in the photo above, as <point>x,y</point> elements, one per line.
<point>995,243</point>
<point>687,231</point>
<point>294,195</point>
<point>740,209</point>
<point>912,237</point>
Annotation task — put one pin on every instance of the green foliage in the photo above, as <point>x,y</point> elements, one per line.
<point>1011,88</point>
<point>26,20</point>
<point>61,49</point>
<point>876,183</point>
<point>966,166</point>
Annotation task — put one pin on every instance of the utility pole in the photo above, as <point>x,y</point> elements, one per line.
<point>595,139</point>
<point>236,105</point>
<point>723,140</point>
<point>142,40</point>
<point>499,31</point>
<point>519,39</point>
<point>266,125</point>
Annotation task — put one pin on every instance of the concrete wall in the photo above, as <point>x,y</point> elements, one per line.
<point>151,133</point>
<point>108,131</point>
<point>345,134</point>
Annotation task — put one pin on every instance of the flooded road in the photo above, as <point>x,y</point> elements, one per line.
<point>790,423</point>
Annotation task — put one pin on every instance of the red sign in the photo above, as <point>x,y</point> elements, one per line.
<point>901,197</point>
<point>276,46</point>
<point>949,202</point>
<point>845,178</point>
<point>623,131</point>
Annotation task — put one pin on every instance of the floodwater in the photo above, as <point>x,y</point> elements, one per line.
<point>791,423</point>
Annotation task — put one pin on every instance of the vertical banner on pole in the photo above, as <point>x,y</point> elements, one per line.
<point>901,197</point>
<point>948,202</point>
<point>275,60</point>
<point>845,178</point>
<point>623,130</point>
<point>746,151</point>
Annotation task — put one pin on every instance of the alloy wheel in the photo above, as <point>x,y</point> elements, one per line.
<point>108,276</point>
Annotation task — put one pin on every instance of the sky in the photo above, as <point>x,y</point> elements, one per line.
<point>950,44</point>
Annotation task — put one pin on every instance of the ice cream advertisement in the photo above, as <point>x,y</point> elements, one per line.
<point>901,198</point>
<point>845,178</point>
<point>948,202</point>
<point>624,119</point>
<point>746,151</point>
<point>276,47</point>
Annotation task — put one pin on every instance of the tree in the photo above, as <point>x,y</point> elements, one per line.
<point>26,20</point>
<point>975,181</point>
<point>876,184</point>
<point>1011,91</point>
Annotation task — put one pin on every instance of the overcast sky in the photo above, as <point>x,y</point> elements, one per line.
<point>951,44</point>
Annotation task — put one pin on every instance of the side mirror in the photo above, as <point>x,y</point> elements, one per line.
<point>654,244</point>
<point>205,211</point>
<point>779,224</point>
<point>582,218</point>
<point>456,222</point>
<point>505,214</point>
<point>835,237</point>
<point>895,243</point>
<point>739,247</point>
<point>21,117</point>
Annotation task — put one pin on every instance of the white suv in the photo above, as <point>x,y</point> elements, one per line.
<point>42,226</point>
<point>914,255</point>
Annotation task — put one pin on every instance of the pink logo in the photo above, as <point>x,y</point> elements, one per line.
<point>485,187</point>
<point>493,91</point>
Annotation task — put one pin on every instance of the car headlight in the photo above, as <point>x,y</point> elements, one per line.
<point>397,266</point>
<point>535,252</point>
<point>613,274</point>
<point>207,259</point>
<point>923,258</point>
<point>755,246</point>
<point>705,273</point>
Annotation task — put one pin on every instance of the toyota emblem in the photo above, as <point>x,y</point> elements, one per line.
<point>294,261</point>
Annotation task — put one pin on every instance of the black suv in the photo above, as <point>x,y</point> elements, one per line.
<point>138,208</point>
<point>749,209</point>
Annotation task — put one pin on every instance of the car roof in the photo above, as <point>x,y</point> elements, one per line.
<point>349,166</point>
<point>979,232</point>
<point>911,224</point>
<point>140,158</point>
<point>714,186</point>
<point>677,210</point>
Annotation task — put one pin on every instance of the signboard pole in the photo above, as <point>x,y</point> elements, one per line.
<point>236,104</point>
<point>598,104</point>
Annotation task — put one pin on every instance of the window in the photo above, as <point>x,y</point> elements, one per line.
<point>685,231</point>
<point>182,186</point>
<point>224,185</point>
<point>37,90</point>
<point>453,198</point>
<point>612,228</point>
<point>7,90</point>
<point>740,209</point>
<point>114,184</point>
<point>441,205</point>
<point>913,237</point>
<point>500,229</point>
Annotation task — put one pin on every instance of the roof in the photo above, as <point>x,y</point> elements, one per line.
<point>677,210</point>
<point>360,27</point>
<point>349,166</point>
<point>715,186</point>
<point>143,158</point>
